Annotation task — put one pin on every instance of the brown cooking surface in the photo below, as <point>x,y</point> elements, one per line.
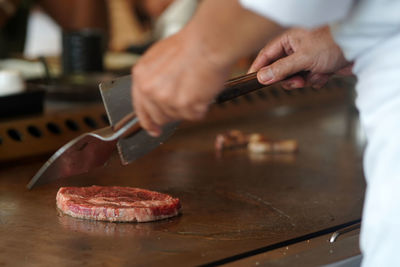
<point>232,203</point>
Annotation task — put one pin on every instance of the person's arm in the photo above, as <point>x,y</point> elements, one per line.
<point>77,14</point>
<point>179,76</point>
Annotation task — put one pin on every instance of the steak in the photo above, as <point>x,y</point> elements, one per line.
<point>116,204</point>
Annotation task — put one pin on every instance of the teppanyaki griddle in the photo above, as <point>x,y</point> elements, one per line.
<point>233,203</point>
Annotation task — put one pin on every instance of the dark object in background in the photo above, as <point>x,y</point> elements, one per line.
<point>73,88</point>
<point>22,104</point>
<point>13,32</point>
<point>82,51</point>
<point>139,49</point>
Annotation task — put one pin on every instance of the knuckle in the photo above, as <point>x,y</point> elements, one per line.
<point>159,120</point>
<point>187,116</point>
<point>305,60</point>
<point>146,89</point>
<point>164,96</point>
<point>193,114</point>
<point>201,108</point>
<point>262,52</point>
<point>134,70</point>
<point>286,85</point>
<point>139,81</point>
<point>137,71</point>
<point>144,123</point>
<point>183,104</point>
<point>199,115</point>
<point>281,69</point>
<point>275,72</point>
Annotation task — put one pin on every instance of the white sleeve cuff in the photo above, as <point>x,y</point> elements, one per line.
<point>304,13</point>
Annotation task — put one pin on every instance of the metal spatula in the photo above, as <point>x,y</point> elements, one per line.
<point>83,153</point>
<point>94,149</point>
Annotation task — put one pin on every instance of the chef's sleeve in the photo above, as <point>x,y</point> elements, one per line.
<point>304,13</point>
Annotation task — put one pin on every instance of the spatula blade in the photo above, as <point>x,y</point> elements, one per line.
<point>78,156</point>
<point>118,102</point>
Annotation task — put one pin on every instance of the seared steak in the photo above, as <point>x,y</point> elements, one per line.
<point>116,204</point>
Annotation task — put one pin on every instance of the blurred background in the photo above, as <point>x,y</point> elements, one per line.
<point>57,45</point>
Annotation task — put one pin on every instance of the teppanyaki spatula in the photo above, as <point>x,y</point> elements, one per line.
<point>94,149</point>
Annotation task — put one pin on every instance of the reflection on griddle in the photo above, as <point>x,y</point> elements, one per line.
<point>112,229</point>
<point>278,158</point>
<point>257,157</point>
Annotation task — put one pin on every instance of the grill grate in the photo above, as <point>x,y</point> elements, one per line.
<point>45,134</point>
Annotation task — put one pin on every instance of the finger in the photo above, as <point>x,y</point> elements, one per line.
<point>176,114</point>
<point>147,123</point>
<point>282,68</point>
<point>348,70</point>
<point>271,52</point>
<point>190,109</point>
<point>156,113</point>
<point>197,112</point>
<point>294,82</point>
<point>318,80</point>
<point>144,118</point>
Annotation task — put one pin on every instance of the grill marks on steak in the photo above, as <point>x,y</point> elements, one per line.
<point>116,204</point>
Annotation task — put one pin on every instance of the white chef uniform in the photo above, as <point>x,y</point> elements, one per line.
<point>368,31</point>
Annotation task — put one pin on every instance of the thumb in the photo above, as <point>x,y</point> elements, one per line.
<point>281,69</point>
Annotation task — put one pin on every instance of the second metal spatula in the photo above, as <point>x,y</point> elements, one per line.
<point>94,149</point>
<point>117,100</point>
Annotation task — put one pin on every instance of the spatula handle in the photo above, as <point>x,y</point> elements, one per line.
<point>124,121</point>
<point>239,86</point>
<point>233,88</point>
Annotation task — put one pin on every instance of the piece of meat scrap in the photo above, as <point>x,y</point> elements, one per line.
<point>255,142</point>
<point>116,203</point>
<point>231,139</point>
<point>282,146</point>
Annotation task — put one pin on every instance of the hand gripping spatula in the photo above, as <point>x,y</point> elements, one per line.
<point>94,149</point>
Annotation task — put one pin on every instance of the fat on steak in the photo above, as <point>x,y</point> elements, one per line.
<point>116,204</point>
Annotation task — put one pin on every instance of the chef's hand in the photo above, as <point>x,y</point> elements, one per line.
<point>179,76</point>
<point>175,80</point>
<point>300,57</point>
